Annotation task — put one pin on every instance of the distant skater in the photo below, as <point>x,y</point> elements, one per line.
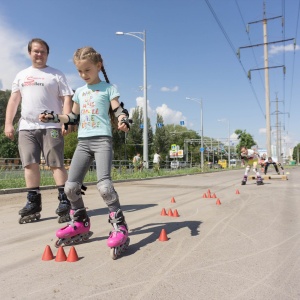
<point>251,159</point>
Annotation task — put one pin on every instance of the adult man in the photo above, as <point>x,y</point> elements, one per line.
<point>156,160</point>
<point>137,162</point>
<point>270,161</point>
<point>40,88</point>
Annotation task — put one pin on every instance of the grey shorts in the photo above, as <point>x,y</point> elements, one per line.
<point>48,142</point>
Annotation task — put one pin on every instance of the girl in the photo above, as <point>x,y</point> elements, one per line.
<point>251,158</point>
<point>93,104</point>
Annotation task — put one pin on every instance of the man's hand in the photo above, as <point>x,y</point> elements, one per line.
<point>47,117</point>
<point>9,131</point>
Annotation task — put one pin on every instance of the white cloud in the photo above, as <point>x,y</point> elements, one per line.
<point>262,131</point>
<point>169,115</point>
<point>274,49</point>
<point>13,54</point>
<point>74,80</point>
<point>166,89</point>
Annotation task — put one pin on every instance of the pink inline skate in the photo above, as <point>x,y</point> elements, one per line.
<point>118,239</point>
<point>77,230</point>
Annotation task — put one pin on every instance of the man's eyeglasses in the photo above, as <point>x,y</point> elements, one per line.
<point>39,52</point>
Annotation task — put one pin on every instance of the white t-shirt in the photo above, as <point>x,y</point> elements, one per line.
<point>156,158</point>
<point>41,90</point>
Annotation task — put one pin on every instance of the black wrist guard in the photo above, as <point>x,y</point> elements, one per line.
<point>127,122</point>
<point>52,119</point>
<point>121,111</point>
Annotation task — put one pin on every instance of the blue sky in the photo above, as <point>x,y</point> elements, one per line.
<point>188,55</point>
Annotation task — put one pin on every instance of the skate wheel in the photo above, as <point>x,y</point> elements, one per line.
<point>113,253</point>
<point>57,243</point>
<point>21,221</point>
<point>38,216</point>
<point>68,242</point>
<point>76,241</point>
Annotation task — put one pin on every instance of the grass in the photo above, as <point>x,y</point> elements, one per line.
<point>10,179</point>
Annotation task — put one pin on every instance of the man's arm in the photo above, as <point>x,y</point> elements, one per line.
<point>11,110</point>
<point>67,108</point>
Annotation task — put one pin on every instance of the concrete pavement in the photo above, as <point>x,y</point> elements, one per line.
<point>246,248</point>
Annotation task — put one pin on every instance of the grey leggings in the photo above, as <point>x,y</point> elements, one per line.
<point>100,149</point>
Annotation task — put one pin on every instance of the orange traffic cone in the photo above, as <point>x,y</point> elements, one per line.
<point>213,195</point>
<point>163,212</point>
<point>163,236</point>
<point>175,213</point>
<point>173,200</point>
<point>237,192</point>
<point>170,213</point>
<point>48,255</point>
<point>72,256</point>
<point>204,195</point>
<point>61,255</point>
<point>218,202</point>
<point>208,194</point>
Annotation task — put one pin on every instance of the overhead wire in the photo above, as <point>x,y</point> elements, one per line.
<point>234,51</point>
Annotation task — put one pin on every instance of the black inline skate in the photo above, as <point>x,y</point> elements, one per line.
<point>259,181</point>
<point>31,211</point>
<point>63,209</point>
<point>244,180</point>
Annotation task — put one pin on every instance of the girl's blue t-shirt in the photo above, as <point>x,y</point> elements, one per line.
<point>94,101</point>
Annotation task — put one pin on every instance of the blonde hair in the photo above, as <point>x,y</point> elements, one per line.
<point>89,53</point>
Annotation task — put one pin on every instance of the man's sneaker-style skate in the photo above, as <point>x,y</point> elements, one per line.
<point>31,211</point>
<point>118,239</point>
<point>244,180</point>
<point>77,230</point>
<point>63,209</point>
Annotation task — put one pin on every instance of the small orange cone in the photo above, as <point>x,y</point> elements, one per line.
<point>61,255</point>
<point>237,192</point>
<point>48,255</point>
<point>72,256</point>
<point>173,200</point>
<point>208,194</point>
<point>163,212</point>
<point>163,236</point>
<point>218,202</point>
<point>204,195</point>
<point>213,195</point>
<point>175,213</point>
<point>170,213</point>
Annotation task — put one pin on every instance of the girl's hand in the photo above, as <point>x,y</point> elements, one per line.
<point>122,125</point>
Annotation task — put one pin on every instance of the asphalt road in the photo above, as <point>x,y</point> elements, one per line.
<point>245,248</point>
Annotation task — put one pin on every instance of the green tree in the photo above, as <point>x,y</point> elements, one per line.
<point>296,153</point>
<point>245,139</point>
<point>161,140</point>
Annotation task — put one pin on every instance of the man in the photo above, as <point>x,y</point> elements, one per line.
<point>137,162</point>
<point>271,162</point>
<point>156,160</point>
<point>40,88</point>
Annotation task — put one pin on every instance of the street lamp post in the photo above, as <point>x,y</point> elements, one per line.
<point>142,37</point>
<point>201,120</point>
<point>228,140</point>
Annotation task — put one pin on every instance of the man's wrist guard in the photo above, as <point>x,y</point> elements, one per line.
<point>53,117</point>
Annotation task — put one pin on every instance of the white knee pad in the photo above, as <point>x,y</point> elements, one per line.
<point>107,192</point>
<point>73,190</point>
<point>247,169</point>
